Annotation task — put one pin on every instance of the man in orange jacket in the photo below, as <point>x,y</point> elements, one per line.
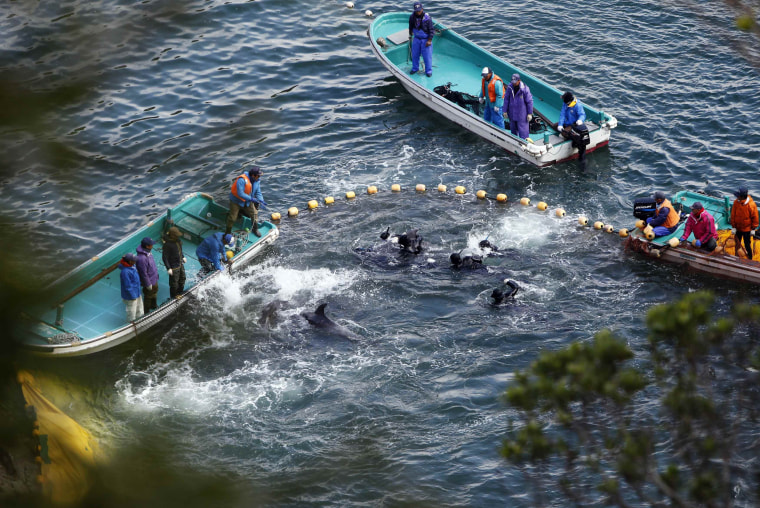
<point>744,218</point>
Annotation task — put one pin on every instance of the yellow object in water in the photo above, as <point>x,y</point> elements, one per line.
<point>313,204</point>
<point>350,194</point>
<point>292,211</point>
<point>420,187</point>
<point>481,194</point>
<point>441,188</point>
<point>525,201</point>
<point>459,189</point>
<point>371,189</point>
<point>67,450</point>
<point>501,198</point>
<point>329,200</point>
<point>542,206</point>
<point>396,187</point>
<point>276,216</point>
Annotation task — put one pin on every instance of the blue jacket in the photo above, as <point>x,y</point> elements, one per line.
<point>212,249</point>
<point>498,88</point>
<point>518,105</point>
<point>421,28</point>
<point>568,116</point>
<point>146,267</point>
<point>255,192</point>
<point>130,282</point>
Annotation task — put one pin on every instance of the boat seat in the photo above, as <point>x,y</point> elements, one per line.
<point>400,37</point>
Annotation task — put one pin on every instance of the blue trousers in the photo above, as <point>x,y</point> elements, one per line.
<point>495,117</point>
<point>419,47</point>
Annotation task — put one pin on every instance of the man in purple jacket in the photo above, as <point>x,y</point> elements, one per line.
<point>702,224</point>
<point>421,32</point>
<point>146,268</point>
<point>518,106</point>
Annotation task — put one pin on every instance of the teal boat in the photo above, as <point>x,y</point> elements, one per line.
<point>723,262</point>
<point>457,64</point>
<point>83,311</point>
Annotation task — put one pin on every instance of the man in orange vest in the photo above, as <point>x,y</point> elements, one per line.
<point>666,219</point>
<point>492,95</point>
<point>245,199</point>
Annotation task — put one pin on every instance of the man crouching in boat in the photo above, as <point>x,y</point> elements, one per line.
<point>492,94</point>
<point>665,220</point>
<point>421,32</point>
<point>702,225</point>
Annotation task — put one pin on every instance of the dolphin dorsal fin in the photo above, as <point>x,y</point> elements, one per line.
<point>321,309</point>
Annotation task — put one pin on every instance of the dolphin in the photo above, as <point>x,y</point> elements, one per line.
<point>320,320</point>
<point>269,316</point>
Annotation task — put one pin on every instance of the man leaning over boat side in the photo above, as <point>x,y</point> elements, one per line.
<point>744,218</point>
<point>702,224</point>
<point>130,287</point>
<point>212,250</point>
<point>492,95</point>
<point>421,32</point>
<point>518,107</point>
<point>245,199</point>
<point>665,220</point>
<point>174,261</point>
<point>146,268</point>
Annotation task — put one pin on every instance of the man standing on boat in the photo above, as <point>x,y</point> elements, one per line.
<point>665,219</point>
<point>702,224</point>
<point>744,218</point>
<point>174,261</point>
<point>421,33</point>
<point>245,199</point>
<point>492,95</point>
<point>130,287</point>
<point>146,268</point>
<point>518,106</point>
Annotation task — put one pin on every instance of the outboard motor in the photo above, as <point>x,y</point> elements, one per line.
<point>643,208</point>
<point>582,138</point>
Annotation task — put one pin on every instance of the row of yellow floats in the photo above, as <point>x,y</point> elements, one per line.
<point>481,194</point>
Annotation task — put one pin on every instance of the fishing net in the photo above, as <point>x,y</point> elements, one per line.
<point>461,99</point>
<point>728,243</point>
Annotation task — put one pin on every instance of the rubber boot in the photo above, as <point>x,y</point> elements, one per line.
<point>256,229</point>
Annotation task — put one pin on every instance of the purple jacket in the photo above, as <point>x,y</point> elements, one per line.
<point>146,267</point>
<point>703,228</point>
<point>518,105</point>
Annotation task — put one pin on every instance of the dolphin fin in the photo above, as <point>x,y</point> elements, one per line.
<point>321,310</point>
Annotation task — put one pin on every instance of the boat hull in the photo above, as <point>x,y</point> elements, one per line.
<point>461,65</point>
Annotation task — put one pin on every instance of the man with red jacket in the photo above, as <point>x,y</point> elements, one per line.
<point>744,218</point>
<point>702,224</point>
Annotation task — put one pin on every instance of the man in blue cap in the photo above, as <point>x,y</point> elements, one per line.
<point>421,33</point>
<point>245,199</point>
<point>213,250</point>
<point>518,106</point>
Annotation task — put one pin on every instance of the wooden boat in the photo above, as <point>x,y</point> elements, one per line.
<point>722,262</point>
<point>83,311</point>
<point>457,64</point>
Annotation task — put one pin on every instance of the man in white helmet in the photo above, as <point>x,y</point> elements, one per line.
<point>492,96</point>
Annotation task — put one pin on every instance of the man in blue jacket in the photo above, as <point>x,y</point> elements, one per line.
<point>130,287</point>
<point>212,250</point>
<point>146,268</point>
<point>492,96</point>
<point>571,125</point>
<point>245,199</point>
<point>421,33</point>
<point>518,106</point>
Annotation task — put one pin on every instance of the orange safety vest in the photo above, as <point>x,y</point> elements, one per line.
<point>673,216</point>
<point>248,186</point>
<point>492,88</point>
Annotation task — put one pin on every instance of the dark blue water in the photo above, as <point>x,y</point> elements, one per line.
<point>180,95</point>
